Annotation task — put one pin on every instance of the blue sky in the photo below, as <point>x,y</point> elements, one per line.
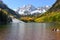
<point>13,4</point>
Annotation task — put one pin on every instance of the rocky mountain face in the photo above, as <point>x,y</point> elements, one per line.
<point>5,7</point>
<point>55,6</point>
<point>5,13</point>
<point>26,9</point>
<point>30,9</point>
<point>4,17</point>
<point>40,10</point>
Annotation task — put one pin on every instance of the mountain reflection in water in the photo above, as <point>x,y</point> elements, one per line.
<point>29,31</point>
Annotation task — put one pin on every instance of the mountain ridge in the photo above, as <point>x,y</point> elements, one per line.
<point>6,12</point>
<point>52,15</point>
<point>55,6</point>
<point>30,9</point>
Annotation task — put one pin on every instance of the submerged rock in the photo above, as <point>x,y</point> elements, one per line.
<point>55,29</point>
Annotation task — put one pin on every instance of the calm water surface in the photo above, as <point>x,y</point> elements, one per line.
<point>28,31</point>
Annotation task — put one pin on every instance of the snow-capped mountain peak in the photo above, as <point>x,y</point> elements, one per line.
<point>30,9</point>
<point>26,9</point>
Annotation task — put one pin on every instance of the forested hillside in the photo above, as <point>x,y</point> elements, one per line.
<point>6,12</point>
<point>52,15</point>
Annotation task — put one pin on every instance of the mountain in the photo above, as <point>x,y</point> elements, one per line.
<point>30,9</point>
<point>55,6</point>
<point>5,7</point>
<point>40,10</point>
<point>26,9</point>
<point>52,15</point>
<point>4,16</point>
<point>6,12</point>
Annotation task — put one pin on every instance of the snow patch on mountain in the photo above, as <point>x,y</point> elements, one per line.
<point>30,9</point>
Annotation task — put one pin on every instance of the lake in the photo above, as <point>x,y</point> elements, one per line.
<point>29,31</point>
